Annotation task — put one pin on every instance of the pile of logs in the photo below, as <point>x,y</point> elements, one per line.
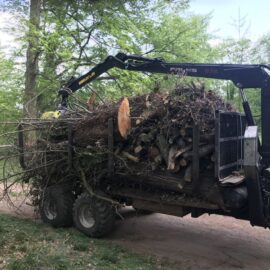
<point>153,133</point>
<point>141,140</point>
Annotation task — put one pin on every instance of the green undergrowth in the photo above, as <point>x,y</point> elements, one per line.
<point>26,244</point>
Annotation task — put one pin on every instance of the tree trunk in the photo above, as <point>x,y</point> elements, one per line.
<point>95,127</point>
<point>30,92</point>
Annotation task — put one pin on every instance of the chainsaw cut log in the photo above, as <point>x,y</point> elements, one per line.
<point>94,128</point>
<point>123,118</point>
<point>203,151</point>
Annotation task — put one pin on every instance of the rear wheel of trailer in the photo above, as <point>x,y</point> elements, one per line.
<point>93,216</point>
<point>56,206</point>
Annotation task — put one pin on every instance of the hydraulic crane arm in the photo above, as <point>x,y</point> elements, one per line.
<point>243,76</point>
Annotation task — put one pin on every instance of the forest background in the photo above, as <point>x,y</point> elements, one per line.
<point>54,40</point>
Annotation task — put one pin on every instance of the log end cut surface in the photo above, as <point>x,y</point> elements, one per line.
<point>123,118</point>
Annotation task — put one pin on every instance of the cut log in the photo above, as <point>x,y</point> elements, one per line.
<point>188,177</point>
<point>183,132</point>
<point>130,157</point>
<point>203,151</point>
<point>183,162</point>
<point>158,159</point>
<point>183,150</point>
<point>163,147</point>
<point>153,153</point>
<point>95,127</point>
<point>138,149</point>
<point>171,158</point>
<point>123,118</point>
<point>176,168</point>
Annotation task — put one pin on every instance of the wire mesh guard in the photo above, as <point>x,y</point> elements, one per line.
<point>229,137</point>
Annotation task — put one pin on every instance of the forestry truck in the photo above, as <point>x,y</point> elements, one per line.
<point>241,173</point>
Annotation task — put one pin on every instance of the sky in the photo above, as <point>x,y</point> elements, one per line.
<point>257,14</point>
<point>6,39</point>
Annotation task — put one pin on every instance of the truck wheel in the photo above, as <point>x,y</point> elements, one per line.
<point>56,206</point>
<point>92,216</point>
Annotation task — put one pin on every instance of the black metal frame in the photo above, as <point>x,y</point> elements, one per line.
<point>195,157</point>
<point>110,147</point>
<point>70,146</point>
<point>227,140</point>
<point>21,146</point>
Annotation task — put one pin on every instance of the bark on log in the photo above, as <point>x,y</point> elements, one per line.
<point>94,128</point>
<point>203,151</point>
<point>163,147</point>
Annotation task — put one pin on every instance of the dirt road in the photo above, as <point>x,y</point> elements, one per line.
<point>209,242</point>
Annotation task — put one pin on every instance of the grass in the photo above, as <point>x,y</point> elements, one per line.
<point>26,245</point>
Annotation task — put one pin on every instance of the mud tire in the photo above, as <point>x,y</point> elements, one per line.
<point>93,216</point>
<point>56,206</point>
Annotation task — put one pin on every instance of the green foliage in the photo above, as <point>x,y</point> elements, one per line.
<point>76,35</point>
<point>172,37</point>
<point>261,50</point>
<point>81,35</point>
<point>10,89</point>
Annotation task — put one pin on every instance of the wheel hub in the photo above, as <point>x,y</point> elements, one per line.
<point>50,209</point>
<point>86,216</point>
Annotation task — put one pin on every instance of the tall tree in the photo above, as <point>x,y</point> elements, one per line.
<point>32,56</point>
<point>237,50</point>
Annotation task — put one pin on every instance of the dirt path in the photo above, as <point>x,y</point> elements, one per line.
<point>16,202</point>
<point>209,242</point>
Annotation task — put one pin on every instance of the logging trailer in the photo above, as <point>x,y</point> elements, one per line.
<point>237,147</point>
